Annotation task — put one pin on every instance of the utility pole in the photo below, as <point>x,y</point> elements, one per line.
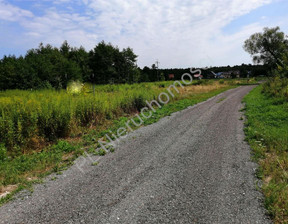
<point>157,66</point>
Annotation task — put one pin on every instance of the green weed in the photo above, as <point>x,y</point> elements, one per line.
<point>64,146</point>
<point>95,164</point>
<point>101,152</point>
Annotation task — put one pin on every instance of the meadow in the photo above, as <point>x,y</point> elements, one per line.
<point>28,119</point>
<point>43,131</point>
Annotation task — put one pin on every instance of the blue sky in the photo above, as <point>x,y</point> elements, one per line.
<point>178,33</point>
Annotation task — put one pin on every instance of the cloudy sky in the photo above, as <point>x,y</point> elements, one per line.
<point>179,33</point>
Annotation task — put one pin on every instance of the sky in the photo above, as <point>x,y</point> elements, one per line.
<point>177,33</point>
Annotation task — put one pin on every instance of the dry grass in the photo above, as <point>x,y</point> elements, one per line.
<point>197,89</point>
<point>5,190</point>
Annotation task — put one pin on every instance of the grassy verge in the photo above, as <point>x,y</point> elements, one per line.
<point>267,133</point>
<point>20,171</point>
<point>23,171</point>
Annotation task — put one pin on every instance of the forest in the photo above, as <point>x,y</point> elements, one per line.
<point>48,67</point>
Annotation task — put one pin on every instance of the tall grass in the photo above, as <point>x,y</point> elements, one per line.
<point>30,118</point>
<point>277,87</point>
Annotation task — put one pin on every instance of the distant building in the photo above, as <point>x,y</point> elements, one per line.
<point>236,74</point>
<point>219,75</point>
<point>228,75</point>
<point>171,76</point>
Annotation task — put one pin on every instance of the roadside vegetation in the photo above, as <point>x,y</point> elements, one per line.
<point>267,120</point>
<point>44,131</point>
<point>267,133</point>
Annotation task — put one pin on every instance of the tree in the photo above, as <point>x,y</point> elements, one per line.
<point>49,66</point>
<point>81,57</point>
<point>154,73</point>
<point>282,70</point>
<point>8,73</point>
<point>129,69</point>
<point>146,74</point>
<point>14,73</point>
<point>65,49</point>
<point>110,65</point>
<point>267,47</point>
<point>101,61</point>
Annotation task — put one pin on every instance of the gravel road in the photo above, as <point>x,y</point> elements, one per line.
<point>190,167</point>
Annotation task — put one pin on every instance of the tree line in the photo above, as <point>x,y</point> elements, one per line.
<point>52,67</point>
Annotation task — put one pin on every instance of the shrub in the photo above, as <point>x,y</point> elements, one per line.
<point>277,87</point>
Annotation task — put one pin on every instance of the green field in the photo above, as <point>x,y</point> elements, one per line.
<point>267,133</point>
<point>44,131</point>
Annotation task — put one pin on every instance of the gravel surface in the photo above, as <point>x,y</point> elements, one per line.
<point>190,167</point>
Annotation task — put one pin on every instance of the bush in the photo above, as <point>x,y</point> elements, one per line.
<point>277,87</point>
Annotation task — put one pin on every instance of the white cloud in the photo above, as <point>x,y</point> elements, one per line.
<point>60,1</point>
<point>9,12</point>
<point>55,27</point>
<point>178,33</point>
